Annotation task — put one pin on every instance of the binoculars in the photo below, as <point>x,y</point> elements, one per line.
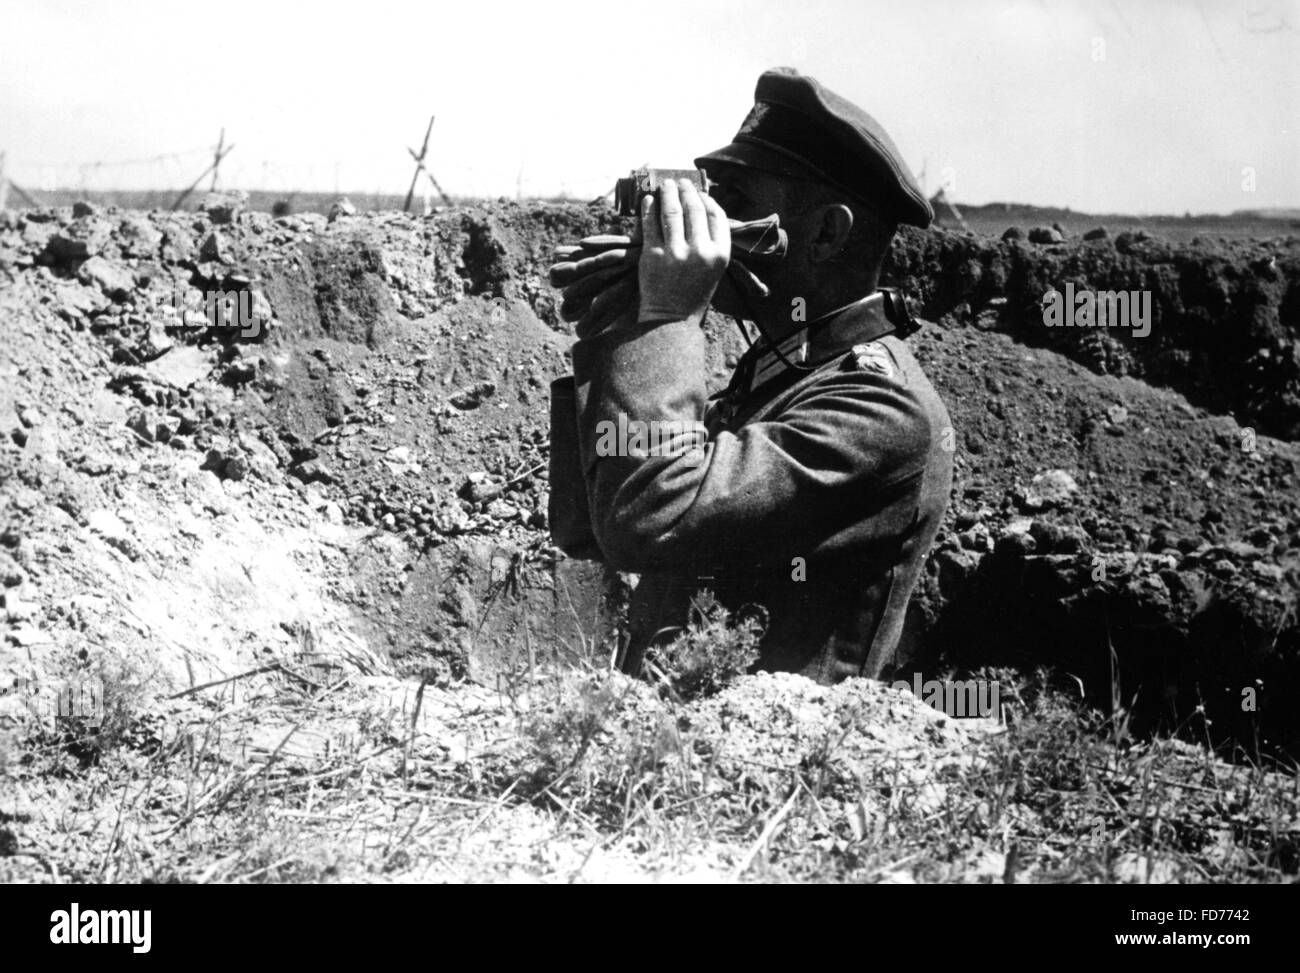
<point>647,182</point>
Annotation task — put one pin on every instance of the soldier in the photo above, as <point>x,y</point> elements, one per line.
<point>826,465</point>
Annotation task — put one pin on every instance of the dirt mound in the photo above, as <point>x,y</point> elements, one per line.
<point>1096,514</point>
<point>365,416</point>
<point>1226,315</point>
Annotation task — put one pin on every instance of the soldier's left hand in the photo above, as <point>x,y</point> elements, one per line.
<point>685,250</point>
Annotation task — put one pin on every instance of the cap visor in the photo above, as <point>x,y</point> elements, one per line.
<point>753,156</point>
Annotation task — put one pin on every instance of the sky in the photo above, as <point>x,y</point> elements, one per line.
<point>1099,105</point>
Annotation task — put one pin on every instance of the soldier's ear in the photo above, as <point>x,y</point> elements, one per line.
<point>831,225</point>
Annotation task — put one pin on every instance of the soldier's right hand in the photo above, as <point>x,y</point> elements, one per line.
<point>686,250</point>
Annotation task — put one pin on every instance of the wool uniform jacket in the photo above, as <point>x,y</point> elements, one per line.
<point>814,492</point>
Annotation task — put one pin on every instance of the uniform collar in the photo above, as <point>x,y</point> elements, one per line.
<point>817,341</point>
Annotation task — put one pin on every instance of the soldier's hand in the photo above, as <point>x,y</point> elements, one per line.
<point>612,307</point>
<point>594,254</point>
<point>686,247</point>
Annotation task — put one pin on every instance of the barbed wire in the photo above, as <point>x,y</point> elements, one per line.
<point>174,156</point>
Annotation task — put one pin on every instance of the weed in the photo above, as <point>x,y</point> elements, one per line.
<point>710,654</point>
<point>561,731</point>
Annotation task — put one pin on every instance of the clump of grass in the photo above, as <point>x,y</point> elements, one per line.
<point>1060,796</point>
<point>628,753</point>
<point>561,731</point>
<point>611,749</point>
<point>99,710</point>
<point>122,690</point>
<point>709,654</point>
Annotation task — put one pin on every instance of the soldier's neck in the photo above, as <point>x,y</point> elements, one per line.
<point>796,312</point>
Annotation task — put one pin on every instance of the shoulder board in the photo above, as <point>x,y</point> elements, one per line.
<point>871,357</point>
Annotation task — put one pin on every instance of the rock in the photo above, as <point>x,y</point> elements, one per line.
<point>111,278</point>
<point>1117,414</point>
<point>399,454</point>
<point>1127,240</point>
<point>473,397</point>
<point>214,248</point>
<point>140,425</point>
<point>1241,551</point>
<point>1018,544</point>
<point>261,458</point>
<point>156,340</point>
<point>235,468</point>
<point>82,208</point>
<point>76,299</point>
<point>139,237</point>
<point>502,510</point>
<point>342,207</point>
<point>177,245</point>
<point>108,525</point>
<point>1072,539</point>
<point>1045,535</point>
<point>313,471</point>
<point>217,455</point>
<point>976,539</point>
<point>1163,539</point>
<point>36,236</point>
<point>225,460</point>
<point>187,421</point>
<point>1223,568</point>
<point>1097,233</point>
<point>1265,267</point>
<point>241,372</point>
<point>64,248</point>
<point>1262,538</point>
<point>11,573</point>
<point>43,443</point>
<point>18,610</point>
<point>449,518</point>
<point>1046,234</point>
<point>478,486</point>
<point>225,207</point>
<point>1013,233</point>
<point>179,368</point>
<point>1269,571</point>
<point>29,635</point>
<point>1053,488</point>
<point>1061,230</point>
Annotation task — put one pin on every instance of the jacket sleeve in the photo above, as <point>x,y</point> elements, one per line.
<point>810,480</point>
